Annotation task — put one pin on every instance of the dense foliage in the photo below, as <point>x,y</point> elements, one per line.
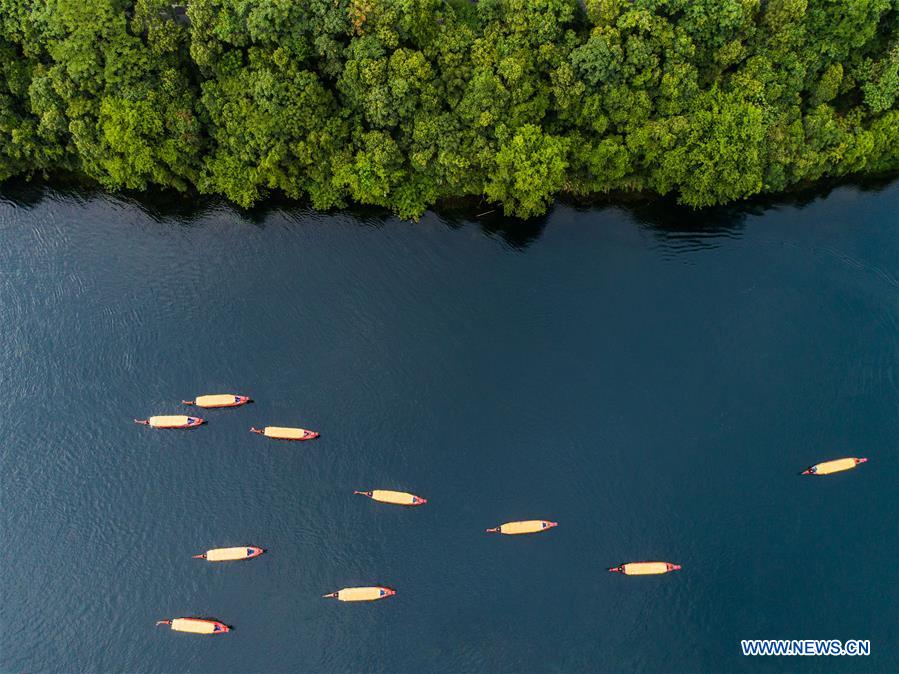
<point>399,103</point>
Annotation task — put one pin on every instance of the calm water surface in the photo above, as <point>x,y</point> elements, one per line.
<point>652,379</point>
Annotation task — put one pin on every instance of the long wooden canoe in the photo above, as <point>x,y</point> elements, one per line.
<point>218,400</point>
<point>524,527</point>
<point>645,568</point>
<point>196,625</point>
<point>171,421</point>
<point>230,554</point>
<point>361,594</point>
<point>283,433</point>
<point>835,466</point>
<point>395,497</point>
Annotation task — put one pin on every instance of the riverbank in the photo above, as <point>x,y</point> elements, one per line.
<point>647,205</point>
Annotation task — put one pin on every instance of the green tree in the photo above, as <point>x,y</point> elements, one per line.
<point>402,103</point>
<point>530,169</point>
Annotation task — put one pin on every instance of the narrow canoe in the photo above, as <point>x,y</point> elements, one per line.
<point>196,625</point>
<point>525,527</point>
<point>361,593</point>
<point>171,421</point>
<point>218,400</point>
<point>282,433</point>
<point>645,568</point>
<point>230,554</point>
<point>835,466</point>
<point>395,497</point>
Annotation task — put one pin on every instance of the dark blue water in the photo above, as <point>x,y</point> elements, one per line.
<point>651,378</point>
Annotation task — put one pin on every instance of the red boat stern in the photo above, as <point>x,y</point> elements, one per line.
<point>193,422</point>
<point>550,525</point>
<point>388,592</point>
<point>220,627</point>
<point>311,435</point>
<point>673,567</point>
<point>858,461</point>
<point>253,551</point>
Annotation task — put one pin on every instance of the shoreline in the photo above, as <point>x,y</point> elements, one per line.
<point>164,200</point>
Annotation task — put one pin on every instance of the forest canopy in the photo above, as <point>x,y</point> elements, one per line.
<point>401,103</point>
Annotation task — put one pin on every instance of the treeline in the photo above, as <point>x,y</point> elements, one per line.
<point>400,103</point>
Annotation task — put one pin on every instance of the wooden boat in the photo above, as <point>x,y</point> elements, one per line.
<point>218,400</point>
<point>196,625</point>
<point>171,421</point>
<point>645,568</point>
<point>525,527</point>
<point>361,594</point>
<point>230,554</point>
<point>395,497</point>
<point>835,466</point>
<point>281,433</point>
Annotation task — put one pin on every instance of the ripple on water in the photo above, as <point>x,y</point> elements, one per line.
<point>655,410</point>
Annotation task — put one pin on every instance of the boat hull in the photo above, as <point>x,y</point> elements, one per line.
<point>835,466</point>
<point>364,593</point>
<point>174,421</point>
<point>525,527</point>
<point>401,498</point>
<point>221,400</point>
<point>233,554</point>
<point>199,626</point>
<point>283,433</point>
<point>645,568</point>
